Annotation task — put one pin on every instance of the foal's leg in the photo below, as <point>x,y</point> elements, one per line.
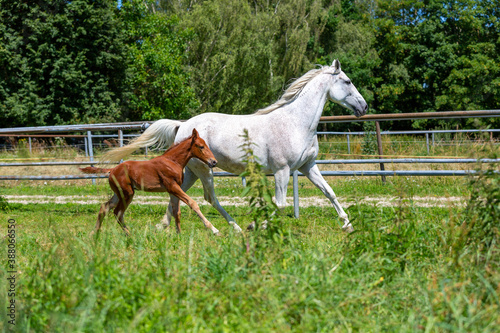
<point>126,196</point>
<point>105,207</point>
<point>189,180</point>
<point>176,211</point>
<point>179,193</point>
<point>312,172</point>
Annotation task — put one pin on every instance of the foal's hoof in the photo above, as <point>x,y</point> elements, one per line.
<point>218,234</point>
<point>263,226</point>
<point>348,228</point>
<point>251,226</point>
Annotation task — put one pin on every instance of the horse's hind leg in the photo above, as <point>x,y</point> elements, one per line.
<point>189,179</point>
<point>105,207</point>
<point>203,172</point>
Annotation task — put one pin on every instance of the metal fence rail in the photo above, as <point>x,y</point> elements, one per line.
<point>359,161</point>
<point>428,141</point>
<point>413,116</point>
<point>359,173</point>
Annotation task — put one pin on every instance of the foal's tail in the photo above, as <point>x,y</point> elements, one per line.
<point>161,133</point>
<point>92,169</point>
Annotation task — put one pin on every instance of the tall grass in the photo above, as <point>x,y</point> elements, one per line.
<point>397,272</point>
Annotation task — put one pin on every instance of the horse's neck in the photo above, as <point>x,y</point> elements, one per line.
<point>180,154</point>
<point>308,106</point>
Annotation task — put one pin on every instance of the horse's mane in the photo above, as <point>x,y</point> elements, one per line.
<point>293,90</point>
<point>177,144</point>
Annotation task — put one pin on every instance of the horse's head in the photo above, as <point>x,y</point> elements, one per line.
<point>200,150</point>
<point>343,92</point>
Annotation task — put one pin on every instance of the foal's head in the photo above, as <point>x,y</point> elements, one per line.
<point>200,150</point>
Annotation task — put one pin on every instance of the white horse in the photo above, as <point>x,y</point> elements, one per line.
<point>284,134</point>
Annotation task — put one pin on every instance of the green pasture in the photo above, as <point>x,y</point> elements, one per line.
<point>402,270</point>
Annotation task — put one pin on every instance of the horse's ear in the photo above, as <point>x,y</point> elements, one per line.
<point>195,133</point>
<point>336,66</point>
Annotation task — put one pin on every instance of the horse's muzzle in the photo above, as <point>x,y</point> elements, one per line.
<point>212,162</point>
<point>361,111</point>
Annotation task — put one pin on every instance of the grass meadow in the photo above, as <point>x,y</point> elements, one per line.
<point>406,268</point>
<point>402,270</point>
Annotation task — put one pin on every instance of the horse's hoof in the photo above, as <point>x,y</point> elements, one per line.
<point>218,234</point>
<point>348,228</point>
<point>251,226</point>
<point>161,226</point>
<point>236,227</point>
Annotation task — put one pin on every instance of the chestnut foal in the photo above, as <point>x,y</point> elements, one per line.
<point>160,174</point>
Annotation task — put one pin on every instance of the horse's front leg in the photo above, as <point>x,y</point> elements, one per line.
<point>281,179</point>
<point>312,172</point>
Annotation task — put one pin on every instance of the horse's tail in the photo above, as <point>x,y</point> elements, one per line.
<point>92,169</point>
<point>161,133</point>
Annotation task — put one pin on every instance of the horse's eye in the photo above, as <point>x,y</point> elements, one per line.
<point>348,82</point>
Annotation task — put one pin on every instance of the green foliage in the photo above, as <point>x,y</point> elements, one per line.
<point>159,80</point>
<point>369,145</point>
<point>232,59</point>
<point>61,62</point>
<point>437,55</point>
<point>89,61</point>
<point>244,53</point>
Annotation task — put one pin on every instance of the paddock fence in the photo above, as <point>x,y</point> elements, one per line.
<point>87,144</point>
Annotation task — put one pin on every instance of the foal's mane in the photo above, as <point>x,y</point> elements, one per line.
<point>178,144</point>
<point>293,90</point>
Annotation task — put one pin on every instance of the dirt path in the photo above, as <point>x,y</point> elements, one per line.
<point>383,201</point>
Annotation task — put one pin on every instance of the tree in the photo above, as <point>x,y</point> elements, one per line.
<point>244,53</point>
<point>61,62</point>
<point>159,79</point>
<point>438,55</point>
<point>231,57</point>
